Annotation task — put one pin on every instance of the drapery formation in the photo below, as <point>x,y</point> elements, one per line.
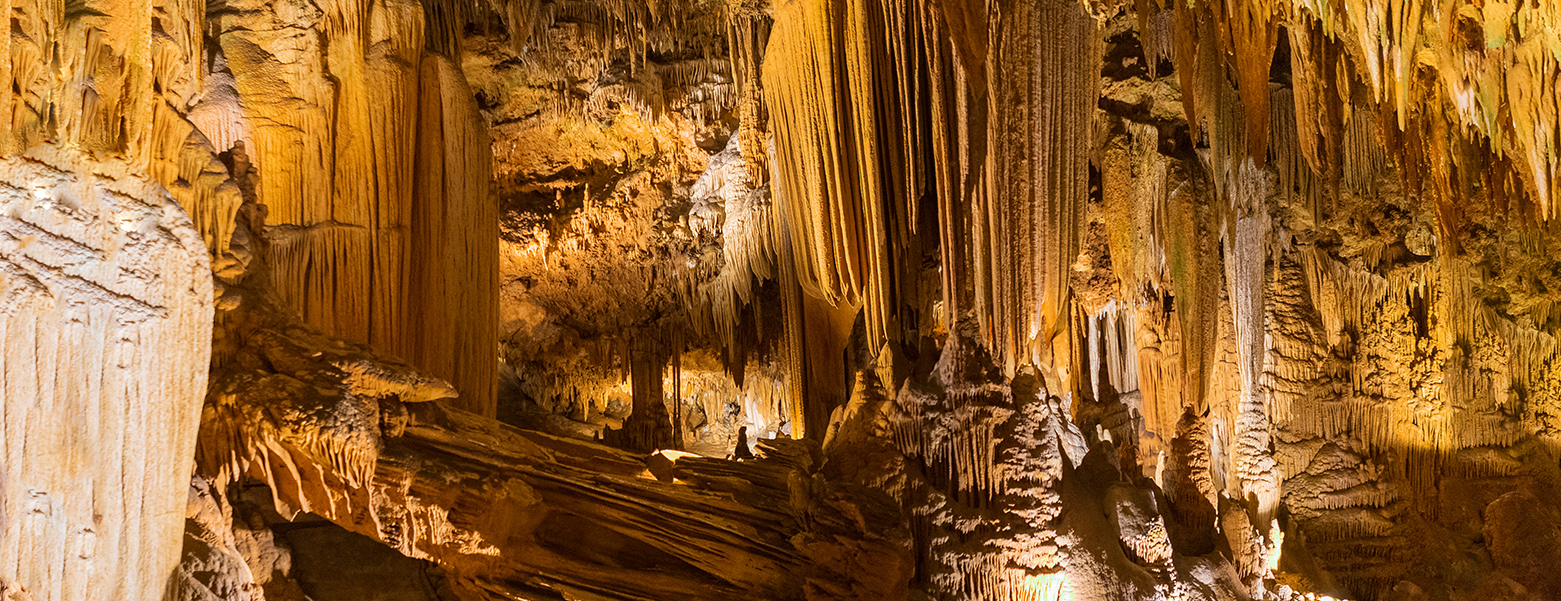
<point>895,149</point>
<point>374,169</point>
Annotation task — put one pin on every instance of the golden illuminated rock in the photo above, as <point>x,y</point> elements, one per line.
<point>1015,299</point>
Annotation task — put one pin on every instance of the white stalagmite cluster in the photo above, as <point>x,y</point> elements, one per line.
<point>982,490</point>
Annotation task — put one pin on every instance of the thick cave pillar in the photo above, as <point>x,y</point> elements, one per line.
<point>106,315</point>
<point>451,331</point>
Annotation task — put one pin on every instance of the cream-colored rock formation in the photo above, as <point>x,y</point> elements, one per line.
<point>1021,300</point>
<point>106,315</point>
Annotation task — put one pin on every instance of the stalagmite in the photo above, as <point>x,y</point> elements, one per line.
<point>974,443</point>
<point>649,426</point>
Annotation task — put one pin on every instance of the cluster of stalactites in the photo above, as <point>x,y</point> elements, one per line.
<point>1110,357</point>
<point>818,89</point>
<point>1447,401</point>
<point>1028,237</point>
<point>844,99</point>
<point>747,33</point>
<point>729,208</point>
<point>375,175</point>
<point>610,27</point>
<point>1483,71</point>
<point>851,89</point>
<point>685,38</point>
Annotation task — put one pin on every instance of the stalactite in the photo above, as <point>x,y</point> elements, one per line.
<point>1249,36</point>
<point>1156,33</point>
<point>726,204</point>
<point>956,47</point>
<point>747,35</point>
<point>1110,336</point>
<point>826,155</point>
<point>1046,119</point>
<point>1317,98</point>
<point>1488,73</point>
<point>793,347</point>
<point>1136,187</point>
<point>1362,152</point>
<point>851,164</point>
<point>634,29</point>
<point>1297,184</point>
<point>1189,247</point>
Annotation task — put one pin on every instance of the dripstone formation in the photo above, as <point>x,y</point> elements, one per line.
<point>589,300</point>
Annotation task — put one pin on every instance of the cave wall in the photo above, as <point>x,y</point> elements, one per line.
<point>126,232</point>
<point>359,153</point>
<point>372,166</point>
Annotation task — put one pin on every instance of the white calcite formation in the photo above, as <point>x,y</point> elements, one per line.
<point>106,318</point>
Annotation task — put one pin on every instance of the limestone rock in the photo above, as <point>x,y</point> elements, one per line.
<point>106,311</point>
